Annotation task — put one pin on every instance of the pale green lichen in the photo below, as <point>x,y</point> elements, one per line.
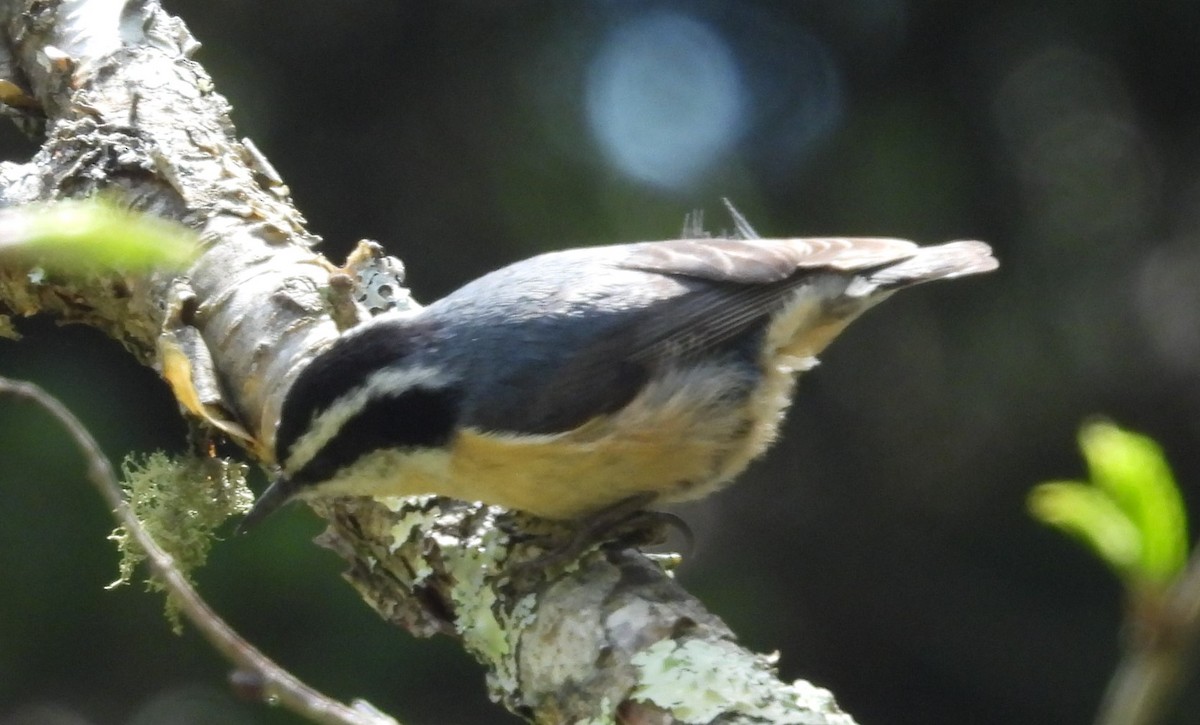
<point>395,503</point>
<point>180,502</point>
<point>467,563</point>
<point>504,677</point>
<point>606,718</point>
<point>698,681</point>
<point>488,631</point>
<point>476,599</point>
<point>475,596</point>
<point>422,519</point>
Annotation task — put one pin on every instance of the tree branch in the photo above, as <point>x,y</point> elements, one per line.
<point>1162,641</point>
<point>127,112</point>
<point>271,682</point>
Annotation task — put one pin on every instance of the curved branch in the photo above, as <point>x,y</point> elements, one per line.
<point>272,682</point>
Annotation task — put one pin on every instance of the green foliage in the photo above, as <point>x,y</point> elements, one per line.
<point>179,502</point>
<point>1130,513</point>
<point>80,236</point>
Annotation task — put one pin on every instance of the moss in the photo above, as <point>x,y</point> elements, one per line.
<point>180,502</point>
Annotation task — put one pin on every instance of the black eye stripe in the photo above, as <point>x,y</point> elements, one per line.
<point>418,417</point>
<point>344,367</point>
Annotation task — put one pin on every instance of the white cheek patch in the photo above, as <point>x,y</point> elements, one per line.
<point>389,381</point>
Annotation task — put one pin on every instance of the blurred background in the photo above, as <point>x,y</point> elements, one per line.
<point>883,546</point>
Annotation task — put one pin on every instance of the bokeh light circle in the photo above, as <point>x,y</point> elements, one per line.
<point>664,98</point>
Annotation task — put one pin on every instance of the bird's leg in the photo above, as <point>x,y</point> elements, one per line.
<point>625,524</point>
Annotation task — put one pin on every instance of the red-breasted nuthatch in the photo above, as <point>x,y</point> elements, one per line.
<point>575,380</point>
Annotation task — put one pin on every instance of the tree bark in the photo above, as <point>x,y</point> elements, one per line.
<point>127,113</point>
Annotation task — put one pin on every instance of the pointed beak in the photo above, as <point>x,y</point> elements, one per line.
<point>276,495</point>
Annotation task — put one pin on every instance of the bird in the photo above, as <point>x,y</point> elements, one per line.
<point>577,381</point>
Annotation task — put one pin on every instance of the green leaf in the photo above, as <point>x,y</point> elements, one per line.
<point>91,234</point>
<point>1133,471</point>
<point>1091,515</point>
<point>1130,513</point>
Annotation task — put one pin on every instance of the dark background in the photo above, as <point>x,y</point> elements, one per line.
<point>883,546</point>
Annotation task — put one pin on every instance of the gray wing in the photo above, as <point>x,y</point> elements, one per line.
<point>759,261</point>
<point>604,376</point>
<point>715,291</point>
<point>749,280</point>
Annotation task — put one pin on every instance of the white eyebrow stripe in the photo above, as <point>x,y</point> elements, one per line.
<point>328,422</point>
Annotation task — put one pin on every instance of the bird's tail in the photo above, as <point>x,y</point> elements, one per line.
<point>942,261</point>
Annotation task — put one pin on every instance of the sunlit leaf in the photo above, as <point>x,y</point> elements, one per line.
<point>1130,513</point>
<point>81,236</point>
<point>1092,516</point>
<point>1132,470</point>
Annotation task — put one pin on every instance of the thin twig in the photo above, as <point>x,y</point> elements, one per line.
<point>254,669</point>
<point>1161,649</point>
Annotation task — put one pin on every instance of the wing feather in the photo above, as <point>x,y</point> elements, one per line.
<point>729,286</point>
<point>761,261</point>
